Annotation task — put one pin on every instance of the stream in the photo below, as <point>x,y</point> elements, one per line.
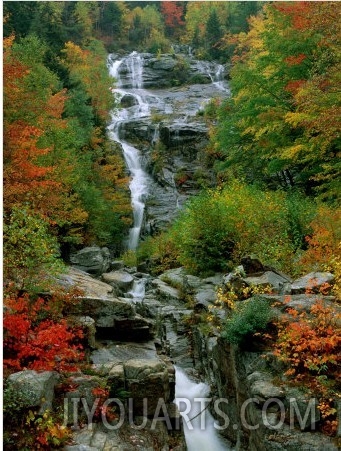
<point>177,109</point>
<point>200,432</point>
<point>180,106</point>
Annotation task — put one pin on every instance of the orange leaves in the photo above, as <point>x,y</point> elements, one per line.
<point>310,342</point>
<point>297,11</point>
<point>293,60</point>
<point>172,13</point>
<point>27,114</point>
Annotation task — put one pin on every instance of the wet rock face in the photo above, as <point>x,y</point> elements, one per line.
<point>161,98</point>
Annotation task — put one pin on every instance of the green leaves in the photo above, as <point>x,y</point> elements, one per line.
<point>285,109</point>
<point>218,227</point>
<point>30,251</point>
<point>249,317</point>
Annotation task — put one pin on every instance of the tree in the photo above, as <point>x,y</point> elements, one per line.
<point>213,34</point>
<point>270,129</point>
<point>173,17</point>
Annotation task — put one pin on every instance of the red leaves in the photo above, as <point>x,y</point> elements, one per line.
<point>310,344</point>
<point>35,339</point>
<point>172,13</point>
<point>297,11</point>
<point>294,85</point>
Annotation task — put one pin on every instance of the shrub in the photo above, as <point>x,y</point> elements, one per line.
<point>129,258</point>
<point>160,250</point>
<point>324,245</point>
<point>30,251</point>
<point>218,227</point>
<point>310,345</point>
<point>248,318</point>
<point>36,338</point>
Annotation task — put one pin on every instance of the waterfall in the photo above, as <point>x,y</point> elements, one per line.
<point>139,178</point>
<point>142,105</point>
<point>214,71</point>
<point>138,290</point>
<point>200,432</point>
<point>135,67</point>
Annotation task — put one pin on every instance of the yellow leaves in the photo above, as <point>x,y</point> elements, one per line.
<point>294,152</point>
<point>74,55</point>
<point>296,118</point>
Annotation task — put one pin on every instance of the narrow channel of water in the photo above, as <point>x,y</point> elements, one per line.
<point>140,181</point>
<point>200,432</point>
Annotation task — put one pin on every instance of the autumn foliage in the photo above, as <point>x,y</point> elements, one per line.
<point>309,343</point>
<point>37,337</point>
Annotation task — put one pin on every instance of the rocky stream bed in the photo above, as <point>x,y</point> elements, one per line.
<point>140,341</point>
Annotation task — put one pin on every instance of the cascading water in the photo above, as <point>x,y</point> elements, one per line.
<point>176,106</point>
<point>215,72</point>
<point>139,178</point>
<point>200,432</point>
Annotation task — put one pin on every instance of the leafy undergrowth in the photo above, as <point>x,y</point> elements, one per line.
<point>309,343</point>
<point>37,337</point>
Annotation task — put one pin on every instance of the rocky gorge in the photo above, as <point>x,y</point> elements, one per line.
<point>144,332</point>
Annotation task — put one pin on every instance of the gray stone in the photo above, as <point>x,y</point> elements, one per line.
<point>177,134</point>
<point>82,394</point>
<point>179,277</point>
<point>264,390</point>
<point>116,265</point>
<point>88,286</point>
<point>147,381</point>
<point>311,282</point>
<point>98,440</point>
<point>80,448</point>
<point>121,279</point>
<point>128,100</point>
<point>106,311</point>
<point>137,329</point>
<point>269,278</point>
<point>205,295</point>
<point>165,291</point>
<point>94,260</point>
<point>299,407</point>
<point>36,389</point>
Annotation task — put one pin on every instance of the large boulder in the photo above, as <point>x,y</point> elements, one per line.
<point>312,282</point>
<point>106,312</point>
<point>120,279</point>
<point>94,260</point>
<point>35,389</point>
<point>88,286</point>
<point>178,134</point>
<point>147,382</point>
<point>271,279</point>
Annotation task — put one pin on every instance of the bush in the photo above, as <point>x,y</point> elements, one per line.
<point>249,317</point>
<point>37,338</point>
<point>220,226</point>
<point>30,251</point>
<point>310,345</point>
<point>160,250</point>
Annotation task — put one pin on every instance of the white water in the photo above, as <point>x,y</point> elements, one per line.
<point>200,433</point>
<point>138,290</point>
<point>215,72</point>
<point>146,101</point>
<point>139,178</point>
